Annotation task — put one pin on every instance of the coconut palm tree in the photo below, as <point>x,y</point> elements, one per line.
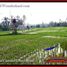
<point>5,23</point>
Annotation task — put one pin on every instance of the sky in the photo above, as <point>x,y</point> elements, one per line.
<point>36,12</point>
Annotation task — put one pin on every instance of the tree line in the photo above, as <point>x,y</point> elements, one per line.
<point>52,24</point>
<point>12,23</point>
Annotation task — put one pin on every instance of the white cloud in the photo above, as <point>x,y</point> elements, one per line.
<point>37,12</point>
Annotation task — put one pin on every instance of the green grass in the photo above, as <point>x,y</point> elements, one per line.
<point>15,46</point>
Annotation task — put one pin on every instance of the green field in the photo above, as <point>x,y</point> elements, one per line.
<point>15,46</point>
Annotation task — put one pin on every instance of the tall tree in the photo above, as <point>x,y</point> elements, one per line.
<point>5,23</point>
<point>15,22</point>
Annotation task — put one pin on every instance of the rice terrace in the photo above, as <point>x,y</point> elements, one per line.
<point>33,33</point>
<point>15,47</point>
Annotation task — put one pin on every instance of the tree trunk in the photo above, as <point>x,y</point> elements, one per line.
<point>14,30</point>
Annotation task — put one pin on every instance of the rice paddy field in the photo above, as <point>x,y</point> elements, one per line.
<point>15,46</point>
